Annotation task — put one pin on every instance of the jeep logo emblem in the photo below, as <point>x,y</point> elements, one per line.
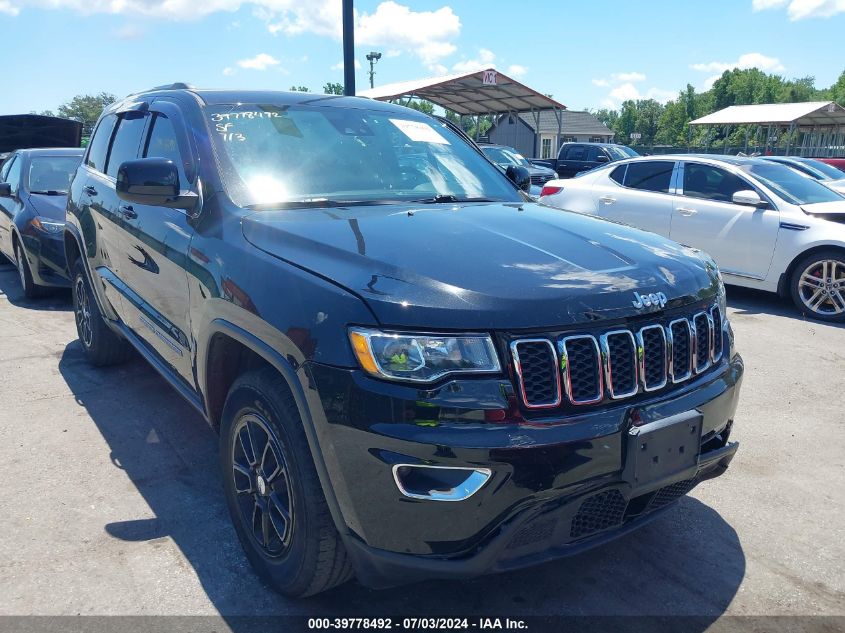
<point>657,299</point>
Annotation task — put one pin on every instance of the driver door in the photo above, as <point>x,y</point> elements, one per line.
<point>740,238</point>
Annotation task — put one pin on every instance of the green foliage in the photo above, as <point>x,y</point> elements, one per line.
<point>86,108</point>
<point>668,124</point>
<point>333,89</point>
<point>426,107</point>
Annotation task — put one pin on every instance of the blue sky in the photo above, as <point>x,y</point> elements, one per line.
<point>587,54</point>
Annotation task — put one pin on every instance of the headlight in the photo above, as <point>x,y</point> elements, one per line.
<point>47,226</point>
<point>422,357</point>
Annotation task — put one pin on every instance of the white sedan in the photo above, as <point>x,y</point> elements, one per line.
<point>767,226</point>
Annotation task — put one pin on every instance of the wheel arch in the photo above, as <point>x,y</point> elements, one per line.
<point>786,277</point>
<point>225,338</point>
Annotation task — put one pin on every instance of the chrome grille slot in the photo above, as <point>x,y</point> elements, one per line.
<point>680,342</point>
<point>535,362</point>
<point>580,362</point>
<point>718,333</point>
<point>653,356</point>
<point>702,327</point>
<point>619,356</point>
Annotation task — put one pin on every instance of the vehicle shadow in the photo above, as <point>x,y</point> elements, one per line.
<point>751,302</point>
<point>57,299</point>
<point>687,562</point>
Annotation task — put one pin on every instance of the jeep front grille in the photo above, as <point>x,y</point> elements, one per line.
<point>618,363</point>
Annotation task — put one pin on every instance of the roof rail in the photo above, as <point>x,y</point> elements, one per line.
<point>179,85</point>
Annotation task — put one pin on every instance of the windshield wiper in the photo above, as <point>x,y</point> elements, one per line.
<point>447,197</point>
<point>312,203</point>
<point>49,192</point>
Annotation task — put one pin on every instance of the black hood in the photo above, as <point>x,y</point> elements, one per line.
<point>50,207</point>
<point>484,265</point>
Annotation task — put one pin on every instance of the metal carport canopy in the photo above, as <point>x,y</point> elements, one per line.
<point>468,94</point>
<point>798,114</point>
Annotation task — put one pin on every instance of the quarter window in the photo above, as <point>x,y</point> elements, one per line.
<point>127,141</point>
<point>711,183</point>
<point>13,176</point>
<point>618,174</point>
<point>650,175</point>
<point>99,145</point>
<point>6,166</point>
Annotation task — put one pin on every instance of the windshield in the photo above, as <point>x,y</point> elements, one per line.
<point>830,172</point>
<point>51,173</point>
<point>619,152</point>
<point>791,185</point>
<point>289,155</point>
<point>504,156</point>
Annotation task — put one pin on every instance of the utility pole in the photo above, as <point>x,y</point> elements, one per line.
<point>373,57</point>
<point>348,49</point>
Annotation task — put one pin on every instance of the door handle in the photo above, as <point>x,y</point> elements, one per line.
<point>607,199</point>
<point>90,190</point>
<point>686,211</point>
<point>128,212</point>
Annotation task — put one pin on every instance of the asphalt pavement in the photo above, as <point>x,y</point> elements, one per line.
<point>112,505</point>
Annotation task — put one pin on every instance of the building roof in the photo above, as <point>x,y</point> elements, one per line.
<point>573,122</point>
<point>468,93</point>
<point>802,114</point>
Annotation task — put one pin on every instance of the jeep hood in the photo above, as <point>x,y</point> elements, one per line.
<point>483,265</point>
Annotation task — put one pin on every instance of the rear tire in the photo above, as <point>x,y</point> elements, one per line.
<point>102,346</point>
<point>273,491</point>
<point>818,286</point>
<point>30,289</point>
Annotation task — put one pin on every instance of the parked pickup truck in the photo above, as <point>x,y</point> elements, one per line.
<point>415,371</point>
<point>574,158</point>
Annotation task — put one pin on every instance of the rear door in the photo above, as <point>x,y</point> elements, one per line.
<point>740,238</point>
<point>156,243</point>
<point>639,193</point>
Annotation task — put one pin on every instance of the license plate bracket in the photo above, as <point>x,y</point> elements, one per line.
<point>664,450</point>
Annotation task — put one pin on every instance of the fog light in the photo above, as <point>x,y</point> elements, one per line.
<point>439,483</point>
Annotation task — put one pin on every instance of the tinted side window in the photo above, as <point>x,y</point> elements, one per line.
<point>576,152</point>
<point>650,175</point>
<point>99,145</point>
<point>164,144</point>
<point>127,141</point>
<point>618,174</point>
<point>13,176</point>
<point>711,183</point>
<point>5,169</point>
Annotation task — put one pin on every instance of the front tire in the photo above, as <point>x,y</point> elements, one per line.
<point>30,289</point>
<point>273,492</point>
<point>818,286</point>
<point>102,346</point>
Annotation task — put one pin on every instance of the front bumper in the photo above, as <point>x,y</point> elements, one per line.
<point>46,256</point>
<point>557,486</point>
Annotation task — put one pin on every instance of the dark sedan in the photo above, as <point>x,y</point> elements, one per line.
<point>33,194</point>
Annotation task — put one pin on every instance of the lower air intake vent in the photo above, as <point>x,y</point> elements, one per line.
<point>598,513</point>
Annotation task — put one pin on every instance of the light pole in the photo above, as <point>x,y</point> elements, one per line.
<point>348,49</point>
<point>373,57</point>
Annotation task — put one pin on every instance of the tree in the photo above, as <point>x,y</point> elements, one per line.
<point>426,107</point>
<point>333,89</point>
<point>87,109</point>
<point>299,89</point>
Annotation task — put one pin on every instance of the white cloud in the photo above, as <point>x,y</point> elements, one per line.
<point>8,8</point>
<point>748,60</point>
<point>485,59</point>
<point>229,71</point>
<point>622,88</point>
<point>802,9</point>
<point>339,65</point>
<point>628,77</point>
<point>262,61</point>
<point>430,35</point>
<point>516,70</point>
<point>601,83</point>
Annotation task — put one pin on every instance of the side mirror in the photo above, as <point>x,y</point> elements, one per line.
<point>749,198</point>
<point>5,190</point>
<point>601,158</point>
<point>520,176</point>
<point>154,182</point>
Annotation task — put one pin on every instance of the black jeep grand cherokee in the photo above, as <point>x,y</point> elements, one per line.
<point>415,372</point>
